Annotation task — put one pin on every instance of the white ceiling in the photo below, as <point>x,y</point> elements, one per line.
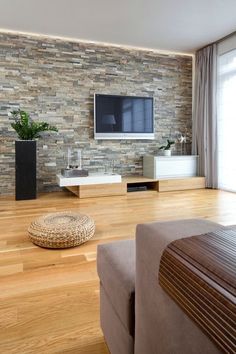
<point>172,25</point>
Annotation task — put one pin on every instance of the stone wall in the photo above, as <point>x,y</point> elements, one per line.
<point>55,81</point>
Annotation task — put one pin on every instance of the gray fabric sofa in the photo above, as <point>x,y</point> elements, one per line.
<point>137,315</point>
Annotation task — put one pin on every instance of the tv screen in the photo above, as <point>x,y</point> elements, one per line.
<point>121,117</point>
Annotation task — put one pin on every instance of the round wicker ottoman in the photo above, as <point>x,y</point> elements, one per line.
<point>61,230</point>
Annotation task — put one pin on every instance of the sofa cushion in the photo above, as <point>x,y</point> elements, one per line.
<point>116,270</point>
<point>118,338</point>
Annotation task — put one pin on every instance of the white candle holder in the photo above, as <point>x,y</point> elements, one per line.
<point>74,159</point>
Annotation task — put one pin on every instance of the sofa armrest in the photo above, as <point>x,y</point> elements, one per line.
<point>161,326</point>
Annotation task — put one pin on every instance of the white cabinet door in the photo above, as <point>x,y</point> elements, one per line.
<point>169,166</point>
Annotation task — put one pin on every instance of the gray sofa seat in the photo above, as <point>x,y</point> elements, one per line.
<point>116,270</point>
<point>132,301</point>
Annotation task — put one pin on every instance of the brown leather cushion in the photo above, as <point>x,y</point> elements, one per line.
<point>116,270</point>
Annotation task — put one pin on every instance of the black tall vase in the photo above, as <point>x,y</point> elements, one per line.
<point>25,163</point>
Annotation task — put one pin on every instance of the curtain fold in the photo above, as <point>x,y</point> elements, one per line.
<point>226,116</point>
<point>204,141</point>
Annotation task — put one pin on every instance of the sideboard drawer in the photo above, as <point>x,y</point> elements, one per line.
<point>170,166</point>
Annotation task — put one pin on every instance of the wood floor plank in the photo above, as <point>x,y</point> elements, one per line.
<point>49,299</point>
<point>11,269</point>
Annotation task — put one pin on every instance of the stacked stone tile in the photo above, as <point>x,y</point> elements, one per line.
<point>55,80</point>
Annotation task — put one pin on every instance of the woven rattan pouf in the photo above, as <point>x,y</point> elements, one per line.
<point>61,230</point>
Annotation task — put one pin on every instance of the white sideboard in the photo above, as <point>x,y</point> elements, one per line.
<point>159,167</point>
<point>91,179</point>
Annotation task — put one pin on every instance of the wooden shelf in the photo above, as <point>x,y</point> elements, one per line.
<point>99,190</point>
<point>114,189</point>
<point>181,184</point>
<point>165,185</point>
<point>137,179</point>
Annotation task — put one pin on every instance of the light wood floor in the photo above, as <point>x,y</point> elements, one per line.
<point>49,299</point>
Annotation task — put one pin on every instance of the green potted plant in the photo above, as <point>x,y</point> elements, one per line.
<point>25,152</point>
<point>167,148</point>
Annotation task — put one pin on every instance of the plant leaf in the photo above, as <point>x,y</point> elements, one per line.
<point>28,129</point>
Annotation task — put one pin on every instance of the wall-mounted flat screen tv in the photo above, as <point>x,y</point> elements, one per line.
<point>123,117</point>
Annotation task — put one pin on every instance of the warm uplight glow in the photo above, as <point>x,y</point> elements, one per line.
<point>95,42</point>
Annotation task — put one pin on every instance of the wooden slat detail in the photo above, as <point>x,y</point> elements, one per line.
<point>177,184</point>
<point>199,274</point>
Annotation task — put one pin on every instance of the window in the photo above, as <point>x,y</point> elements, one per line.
<point>226,120</point>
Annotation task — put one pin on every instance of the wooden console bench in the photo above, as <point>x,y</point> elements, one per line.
<point>93,185</point>
<point>112,185</point>
<point>165,185</point>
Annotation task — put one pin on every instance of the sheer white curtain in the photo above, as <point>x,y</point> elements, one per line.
<point>204,142</point>
<point>226,117</point>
